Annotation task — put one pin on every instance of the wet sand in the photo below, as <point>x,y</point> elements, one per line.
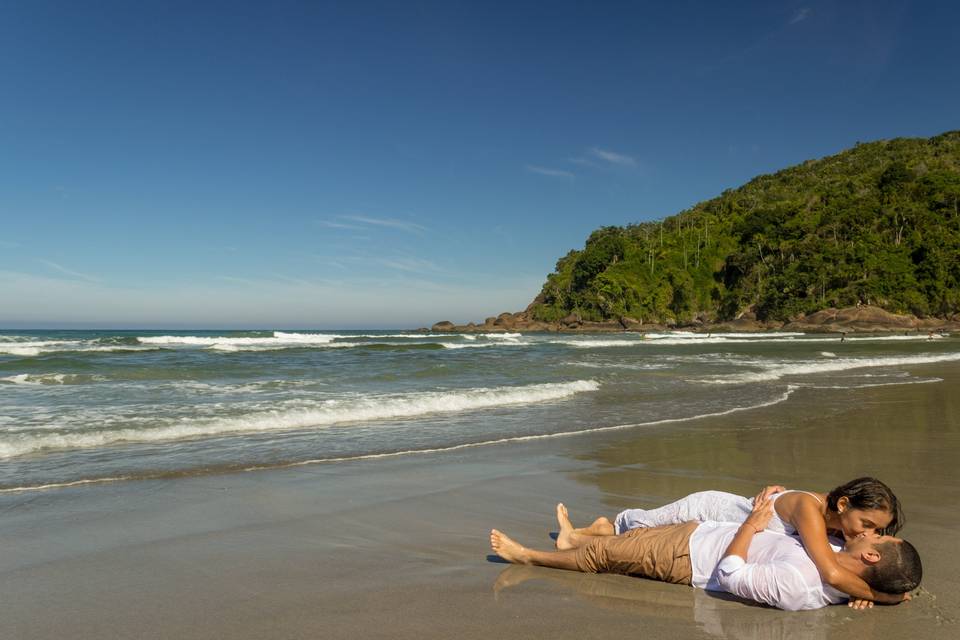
<point>397,548</point>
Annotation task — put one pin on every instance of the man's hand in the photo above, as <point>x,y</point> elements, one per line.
<point>857,603</point>
<point>769,491</point>
<point>755,523</point>
<point>759,518</point>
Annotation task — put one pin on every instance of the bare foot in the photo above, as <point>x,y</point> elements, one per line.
<point>507,549</point>
<point>566,528</point>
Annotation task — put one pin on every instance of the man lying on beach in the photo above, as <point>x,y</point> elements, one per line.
<point>770,568</point>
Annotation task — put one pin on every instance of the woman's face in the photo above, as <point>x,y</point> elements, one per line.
<point>856,522</point>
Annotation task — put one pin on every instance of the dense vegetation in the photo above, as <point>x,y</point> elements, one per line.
<point>877,224</point>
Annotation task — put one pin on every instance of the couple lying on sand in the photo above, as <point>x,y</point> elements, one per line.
<point>784,554</point>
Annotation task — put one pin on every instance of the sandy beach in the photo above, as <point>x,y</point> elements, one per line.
<point>397,547</point>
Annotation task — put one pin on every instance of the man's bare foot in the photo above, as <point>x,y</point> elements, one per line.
<point>566,528</point>
<point>507,549</point>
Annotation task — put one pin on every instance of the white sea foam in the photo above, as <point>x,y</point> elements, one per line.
<point>876,384</point>
<point>645,366</point>
<point>479,345</point>
<point>21,378</point>
<point>411,336</point>
<point>323,414</point>
<point>778,371</point>
<point>596,344</point>
<point>501,336</point>
<point>278,338</point>
<point>662,339</point>
<point>19,351</point>
<point>279,347</point>
<point>828,354</point>
<point>39,347</point>
<point>51,378</point>
<point>284,340</point>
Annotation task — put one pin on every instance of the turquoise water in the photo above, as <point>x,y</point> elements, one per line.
<point>80,406</point>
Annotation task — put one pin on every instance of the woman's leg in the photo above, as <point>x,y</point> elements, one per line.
<point>696,507</point>
<point>571,538</point>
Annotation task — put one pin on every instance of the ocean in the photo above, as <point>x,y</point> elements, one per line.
<point>80,407</point>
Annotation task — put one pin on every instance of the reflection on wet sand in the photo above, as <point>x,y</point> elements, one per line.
<point>716,614</point>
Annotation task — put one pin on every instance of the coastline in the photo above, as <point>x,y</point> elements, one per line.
<point>862,319</point>
<point>398,547</point>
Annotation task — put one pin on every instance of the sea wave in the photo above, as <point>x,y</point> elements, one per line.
<point>282,341</point>
<point>480,345</point>
<point>326,413</point>
<point>645,366</point>
<point>778,371</point>
<point>875,384</point>
<point>52,378</point>
<point>40,347</point>
<point>782,397</point>
<point>278,337</point>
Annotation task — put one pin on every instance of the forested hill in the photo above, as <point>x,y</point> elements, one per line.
<point>877,224</point>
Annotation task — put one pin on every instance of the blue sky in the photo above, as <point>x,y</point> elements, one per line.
<point>366,164</point>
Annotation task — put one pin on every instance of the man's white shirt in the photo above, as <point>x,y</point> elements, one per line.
<point>777,571</point>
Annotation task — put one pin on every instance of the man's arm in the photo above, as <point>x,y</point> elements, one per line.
<point>776,584</point>
<point>756,522</point>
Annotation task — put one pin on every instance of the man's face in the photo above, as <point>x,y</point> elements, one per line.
<point>866,542</point>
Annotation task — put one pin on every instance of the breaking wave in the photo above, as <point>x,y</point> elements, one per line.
<point>326,413</point>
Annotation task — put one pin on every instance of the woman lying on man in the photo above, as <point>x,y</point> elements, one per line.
<point>861,506</point>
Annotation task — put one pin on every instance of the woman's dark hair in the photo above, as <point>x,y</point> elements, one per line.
<point>869,493</point>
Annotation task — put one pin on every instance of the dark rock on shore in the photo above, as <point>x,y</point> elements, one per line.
<point>863,319</point>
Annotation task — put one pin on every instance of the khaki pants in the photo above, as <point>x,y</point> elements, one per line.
<point>660,553</point>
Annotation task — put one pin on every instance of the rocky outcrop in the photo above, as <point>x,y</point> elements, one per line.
<point>866,319</point>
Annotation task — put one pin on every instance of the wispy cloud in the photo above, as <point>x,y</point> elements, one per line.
<point>545,171</point>
<point>338,225</point>
<point>410,264</point>
<point>235,280</point>
<point>800,15</point>
<point>753,48</point>
<point>612,157</point>
<point>67,272</point>
<point>391,223</point>
<point>361,223</point>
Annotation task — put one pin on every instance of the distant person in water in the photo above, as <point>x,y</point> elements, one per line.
<point>743,559</point>
<point>861,506</point>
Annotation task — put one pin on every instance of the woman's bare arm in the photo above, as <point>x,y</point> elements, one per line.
<point>803,512</point>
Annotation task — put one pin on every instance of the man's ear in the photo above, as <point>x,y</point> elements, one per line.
<point>870,556</point>
<point>843,504</point>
